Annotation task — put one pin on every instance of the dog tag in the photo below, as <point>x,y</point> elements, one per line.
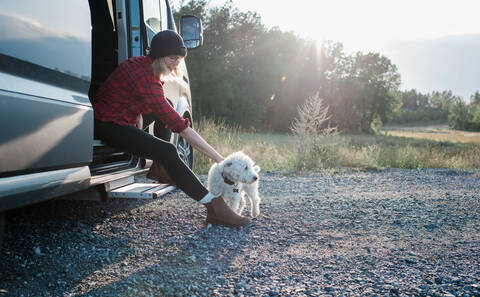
<point>235,190</point>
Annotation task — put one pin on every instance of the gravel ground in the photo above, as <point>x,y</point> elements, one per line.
<point>350,233</point>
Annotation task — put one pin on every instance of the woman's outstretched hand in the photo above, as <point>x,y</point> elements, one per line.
<point>195,140</point>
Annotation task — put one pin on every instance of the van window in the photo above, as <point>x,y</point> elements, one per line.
<point>47,41</point>
<point>171,21</point>
<point>151,14</point>
<point>163,11</point>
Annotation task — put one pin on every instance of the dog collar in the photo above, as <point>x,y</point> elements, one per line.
<point>227,181</point>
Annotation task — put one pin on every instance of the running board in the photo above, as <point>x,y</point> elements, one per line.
<point>141,191</point>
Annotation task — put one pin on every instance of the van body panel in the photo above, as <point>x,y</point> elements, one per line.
<point>183,107</point>
<point>14,84</point>
<point>45,185</point>
<point>122,30</point>
<point>43,134</point>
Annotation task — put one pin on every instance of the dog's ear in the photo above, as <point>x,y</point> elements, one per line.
<point>256,168</point>
<point>228,164</point>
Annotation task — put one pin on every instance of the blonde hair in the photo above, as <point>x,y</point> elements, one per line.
<point>161,70</point>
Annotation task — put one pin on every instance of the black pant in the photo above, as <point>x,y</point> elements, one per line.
<point>142,144</point>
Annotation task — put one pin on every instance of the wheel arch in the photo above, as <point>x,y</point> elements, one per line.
<point>183,108</point>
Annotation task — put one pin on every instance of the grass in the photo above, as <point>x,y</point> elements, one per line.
<point>268,150</point>
<point>435,132</point>
<point>395,147</point>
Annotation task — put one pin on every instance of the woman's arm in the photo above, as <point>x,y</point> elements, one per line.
<point>139,123</point>
<point>195,140</point>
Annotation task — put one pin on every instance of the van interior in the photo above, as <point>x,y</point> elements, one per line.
<point>104,42</point>
<point>104,60</point>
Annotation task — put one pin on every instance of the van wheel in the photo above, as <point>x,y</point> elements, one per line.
<point>185,151</point>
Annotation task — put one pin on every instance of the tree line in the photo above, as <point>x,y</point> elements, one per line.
<point>251,76</point>
<point>439,107</point>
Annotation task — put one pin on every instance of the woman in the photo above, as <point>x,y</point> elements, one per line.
<point>136,88</point>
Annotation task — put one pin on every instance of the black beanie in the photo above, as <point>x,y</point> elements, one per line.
<point>166,43</point>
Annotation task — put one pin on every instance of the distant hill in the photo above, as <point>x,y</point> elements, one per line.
<point>440,64</point>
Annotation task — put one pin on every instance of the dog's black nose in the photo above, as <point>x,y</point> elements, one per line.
<point>255,178</point>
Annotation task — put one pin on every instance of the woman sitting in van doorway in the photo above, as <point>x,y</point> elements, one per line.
<point>136,88</point>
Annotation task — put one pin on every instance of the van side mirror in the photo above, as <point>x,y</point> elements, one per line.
<point>191,31</point>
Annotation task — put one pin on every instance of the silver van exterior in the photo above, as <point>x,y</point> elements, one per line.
<point>53,54</point>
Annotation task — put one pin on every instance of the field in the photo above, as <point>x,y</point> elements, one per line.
<point>395,147</point>
<point>435,132</point>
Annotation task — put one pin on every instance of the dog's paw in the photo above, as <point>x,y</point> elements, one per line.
<point>255,213</point>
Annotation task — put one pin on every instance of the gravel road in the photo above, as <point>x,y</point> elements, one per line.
<point>337,233</point>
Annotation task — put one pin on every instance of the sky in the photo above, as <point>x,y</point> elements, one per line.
<point>365,24</point>
<point>381,26</point>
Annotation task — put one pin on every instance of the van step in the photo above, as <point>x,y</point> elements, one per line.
<point>118,183</point>
<point>141,191</point>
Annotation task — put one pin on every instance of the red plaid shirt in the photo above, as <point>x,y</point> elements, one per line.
<point>132,89</point>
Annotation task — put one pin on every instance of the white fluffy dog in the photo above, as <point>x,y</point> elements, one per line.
<point>234,177</point>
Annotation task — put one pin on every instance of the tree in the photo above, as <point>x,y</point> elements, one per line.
<point>378,82</point>
<point>411,99</point>
<point>443,100</point>
<point>360,88</point>
<point>251,76</point>
<point>335,84</point>
<point>458,117</point>
<point>420,108</point>
<point>224,73</point>
<point>475,99</point>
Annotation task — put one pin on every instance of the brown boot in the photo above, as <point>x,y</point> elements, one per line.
<point>219,213</point>
<point>158,173</point>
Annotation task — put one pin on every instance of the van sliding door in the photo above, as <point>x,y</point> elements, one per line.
<point>135,36</point>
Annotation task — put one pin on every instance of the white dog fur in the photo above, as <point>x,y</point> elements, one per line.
<point>234,177</point>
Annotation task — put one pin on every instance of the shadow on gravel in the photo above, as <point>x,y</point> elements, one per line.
<point>198,266</point>
<point>36,256</point>
<point>58,248</point>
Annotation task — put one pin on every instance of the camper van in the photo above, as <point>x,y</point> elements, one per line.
<point>53,55</point>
